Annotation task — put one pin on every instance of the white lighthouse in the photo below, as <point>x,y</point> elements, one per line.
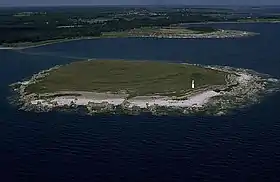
<point>192,84</point>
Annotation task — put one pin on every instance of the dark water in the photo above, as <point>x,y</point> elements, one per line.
<point>54,146</point>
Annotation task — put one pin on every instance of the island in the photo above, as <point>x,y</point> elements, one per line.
<point>133,87</point>
<point>180,32</point>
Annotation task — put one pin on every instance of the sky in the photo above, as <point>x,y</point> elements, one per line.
<point>135,2</point>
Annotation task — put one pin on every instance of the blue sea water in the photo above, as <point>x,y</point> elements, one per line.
<point>243,146</point>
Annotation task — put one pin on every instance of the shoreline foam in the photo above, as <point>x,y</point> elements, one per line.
<point>197,100</point>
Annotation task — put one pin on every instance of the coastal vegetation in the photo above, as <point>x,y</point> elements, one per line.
<point>160,31</point>
<point>261,19</point>
<point>178,32</point>
<point>157,32</point>
<point>28,27</point>
<point>136,78</point>
<point>23,45</point>
<point>203,29</point>
<point>17,26</point>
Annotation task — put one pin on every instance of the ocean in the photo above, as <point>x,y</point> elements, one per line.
<point>56,146</point>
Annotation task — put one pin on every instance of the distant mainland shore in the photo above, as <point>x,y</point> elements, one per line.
<point>173,32</point>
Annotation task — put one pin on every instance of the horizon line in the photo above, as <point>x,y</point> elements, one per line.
<point>131,5</point>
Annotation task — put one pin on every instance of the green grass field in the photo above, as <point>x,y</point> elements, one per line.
<point>133,77</point>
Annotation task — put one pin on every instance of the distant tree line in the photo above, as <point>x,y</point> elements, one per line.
<point>45,27</point>
<point>203,29</point>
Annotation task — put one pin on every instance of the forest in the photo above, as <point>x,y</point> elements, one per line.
<point>19,25</point>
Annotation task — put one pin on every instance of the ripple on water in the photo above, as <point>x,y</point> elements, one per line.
<point>64,147</point>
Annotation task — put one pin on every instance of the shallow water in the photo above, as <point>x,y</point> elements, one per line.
<point>243,146</point>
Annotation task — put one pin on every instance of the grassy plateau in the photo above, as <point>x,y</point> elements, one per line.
<point>136,78</point>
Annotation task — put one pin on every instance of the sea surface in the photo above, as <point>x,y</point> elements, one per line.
<point>242,146</point>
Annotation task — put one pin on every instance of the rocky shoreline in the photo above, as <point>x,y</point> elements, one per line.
<point>221,34</point>
<point>243,87</point>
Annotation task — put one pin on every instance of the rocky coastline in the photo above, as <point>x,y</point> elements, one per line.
<point>244,87</point>
<point>221,34</point>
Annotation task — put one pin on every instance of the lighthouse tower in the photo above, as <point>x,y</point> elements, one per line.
<point>192,84</point>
